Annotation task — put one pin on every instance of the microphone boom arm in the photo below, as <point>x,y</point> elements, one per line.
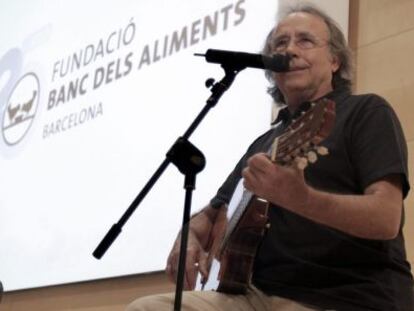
<point>189,161</point>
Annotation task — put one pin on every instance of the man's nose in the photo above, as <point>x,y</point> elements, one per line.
<point>291,47</point>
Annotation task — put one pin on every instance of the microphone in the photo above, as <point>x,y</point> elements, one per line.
<point>242,60</point>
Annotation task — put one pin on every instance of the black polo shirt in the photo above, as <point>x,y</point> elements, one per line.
<point>315,264</point>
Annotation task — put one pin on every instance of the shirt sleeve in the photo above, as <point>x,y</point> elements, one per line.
<point>378,144</point>
<point>226,190</point>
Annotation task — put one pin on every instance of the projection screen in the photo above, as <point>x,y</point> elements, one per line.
<point>92,96</point>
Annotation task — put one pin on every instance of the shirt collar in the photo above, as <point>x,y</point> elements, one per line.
<point>286,117</point>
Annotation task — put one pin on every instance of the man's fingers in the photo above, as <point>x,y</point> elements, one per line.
<point>192,267</point>
<point>203,265</point>
<point>171,268</point>
<point>195,262</point>
<point>259,162</point>
<point>191,276</point>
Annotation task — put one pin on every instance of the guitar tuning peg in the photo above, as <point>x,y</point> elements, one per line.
<point>312,156</point>
<point>301,163</point>
<point>322,150</point>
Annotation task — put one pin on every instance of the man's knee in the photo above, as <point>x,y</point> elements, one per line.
<point>154,302</point>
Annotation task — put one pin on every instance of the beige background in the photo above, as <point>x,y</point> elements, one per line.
<point>382,37</point>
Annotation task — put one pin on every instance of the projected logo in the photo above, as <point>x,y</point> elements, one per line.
<point>20,109</point>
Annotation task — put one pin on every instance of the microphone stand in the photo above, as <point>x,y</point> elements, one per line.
<point>189,161</point>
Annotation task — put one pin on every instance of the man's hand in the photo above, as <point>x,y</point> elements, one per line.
<point>203,229</point>
<point>195,261</point>
<point>283,186</point>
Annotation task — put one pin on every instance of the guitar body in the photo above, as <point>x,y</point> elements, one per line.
<point>241,248</point>
<point>245,224</point>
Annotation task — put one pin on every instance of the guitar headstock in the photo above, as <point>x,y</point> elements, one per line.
<point>301,139</point>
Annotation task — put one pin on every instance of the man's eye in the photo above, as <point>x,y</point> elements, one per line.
<point>280,43</point>
<point>305,42</point>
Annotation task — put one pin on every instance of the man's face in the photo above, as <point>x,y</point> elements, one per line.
<point>306,38</point>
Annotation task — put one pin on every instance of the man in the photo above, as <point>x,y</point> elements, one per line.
<point>335,240</point>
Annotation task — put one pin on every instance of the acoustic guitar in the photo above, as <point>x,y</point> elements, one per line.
<point>231,256</point>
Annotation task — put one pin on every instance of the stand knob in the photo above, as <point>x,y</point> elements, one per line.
<point>209,82</point>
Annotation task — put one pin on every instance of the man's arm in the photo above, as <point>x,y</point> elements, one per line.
<point>376,214</point>
<point>199,237</point>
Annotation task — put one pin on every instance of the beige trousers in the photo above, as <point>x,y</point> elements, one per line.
<point>255,300</point>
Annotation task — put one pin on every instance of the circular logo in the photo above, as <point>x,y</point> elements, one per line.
<point>20,109</point>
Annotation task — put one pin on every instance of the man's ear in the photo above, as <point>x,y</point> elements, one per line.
<point>335,63</point>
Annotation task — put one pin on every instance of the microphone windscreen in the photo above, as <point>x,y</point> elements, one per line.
<point>277,63</point>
